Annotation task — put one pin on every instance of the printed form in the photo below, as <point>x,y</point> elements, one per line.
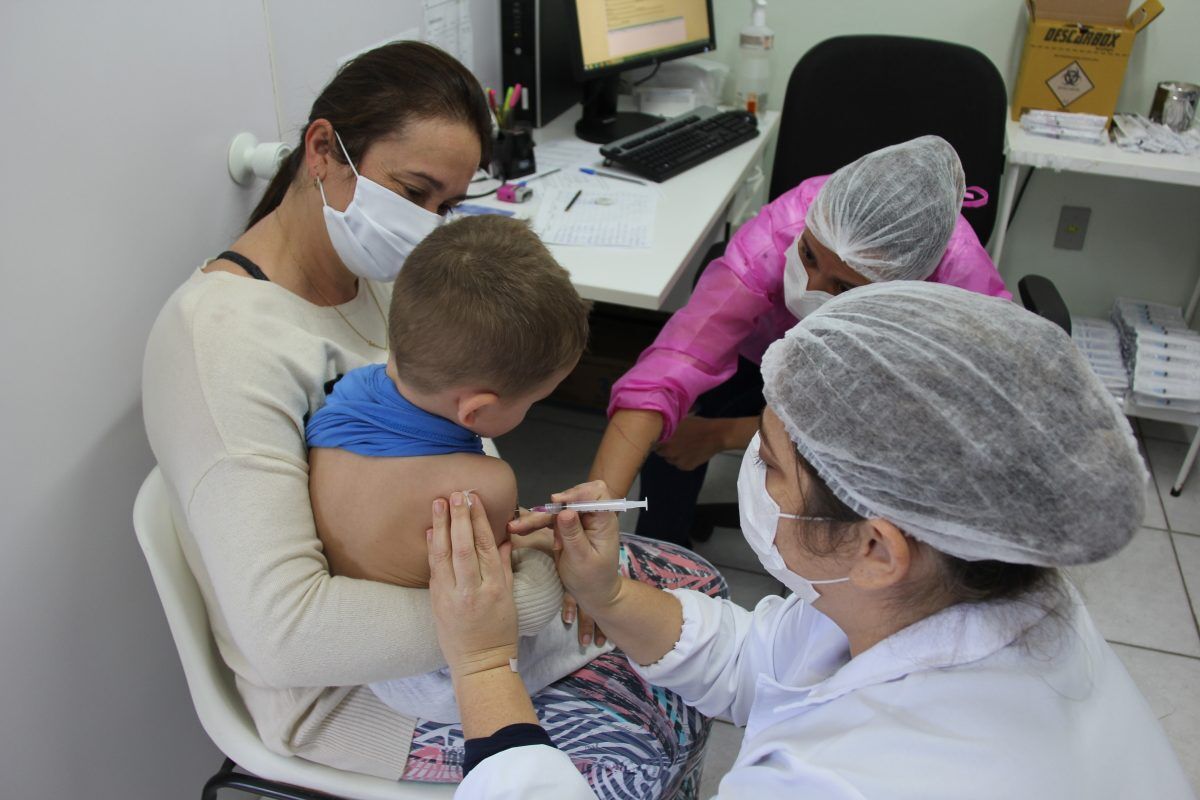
<point>607,213</point>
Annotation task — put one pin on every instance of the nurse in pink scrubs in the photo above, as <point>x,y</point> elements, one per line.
<point>891,215</point>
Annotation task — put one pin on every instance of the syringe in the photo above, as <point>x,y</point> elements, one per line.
<point>595,505</point>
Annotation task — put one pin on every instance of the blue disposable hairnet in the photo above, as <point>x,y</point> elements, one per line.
<point>968,422</point>
<point>890,214</point>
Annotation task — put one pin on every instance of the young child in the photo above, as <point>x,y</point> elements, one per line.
<point>483,324</point>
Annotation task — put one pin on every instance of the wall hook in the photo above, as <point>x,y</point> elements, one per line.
<point>250,159</point>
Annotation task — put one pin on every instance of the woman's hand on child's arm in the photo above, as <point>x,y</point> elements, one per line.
<point>471,586</point>
<point>476,618</point>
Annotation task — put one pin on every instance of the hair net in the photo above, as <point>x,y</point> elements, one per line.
<point>890,214</point>
<point>968,422</point>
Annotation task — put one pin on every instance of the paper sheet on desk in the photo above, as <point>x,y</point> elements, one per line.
<point>599,218</point>
<point>565,154</point>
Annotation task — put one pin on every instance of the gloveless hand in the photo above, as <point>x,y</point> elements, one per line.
<point>589,545</point>
<point>470,581</point>
<point>695,442</point>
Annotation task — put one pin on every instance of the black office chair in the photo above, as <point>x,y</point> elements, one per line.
<point>851,95</point>
<point>1041,296</point>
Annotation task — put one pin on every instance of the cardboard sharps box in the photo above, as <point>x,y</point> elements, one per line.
<point>1076,52</point>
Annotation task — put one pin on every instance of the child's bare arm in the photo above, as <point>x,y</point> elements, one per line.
<point>493,480</point>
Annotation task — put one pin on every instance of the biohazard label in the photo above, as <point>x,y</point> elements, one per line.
<point>1070,83</point>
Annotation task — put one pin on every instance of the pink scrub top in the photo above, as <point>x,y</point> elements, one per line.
<point>737,308</point>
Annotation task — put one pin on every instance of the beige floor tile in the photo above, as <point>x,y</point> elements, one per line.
<point>720,482</point>
<point>547,457</point>
<point>549,412</point>
<point>723,745</point>
<point>1187,548</point>
<point>728,548</point>
<point>1137,597</point>
<point>1154,516</point>
<point>1183,512</point>
<point>747,588</point>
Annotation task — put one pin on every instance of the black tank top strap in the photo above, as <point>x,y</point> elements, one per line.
<point>252,269</point>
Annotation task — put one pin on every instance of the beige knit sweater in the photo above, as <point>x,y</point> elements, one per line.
<point>232,369</point>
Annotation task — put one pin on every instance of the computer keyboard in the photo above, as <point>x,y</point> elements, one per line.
<point>678,144</point>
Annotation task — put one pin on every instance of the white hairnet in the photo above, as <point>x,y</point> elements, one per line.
<point>890,214</point>
<point>966,421</point>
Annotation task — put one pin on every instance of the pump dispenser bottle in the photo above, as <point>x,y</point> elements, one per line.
<point>754,60</point>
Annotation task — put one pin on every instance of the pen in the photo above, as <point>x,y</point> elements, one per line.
<point>573,199</point>
<point>516,96</point>
<point>543,175</point>
<point>598,505</point>
<point>600,174</point>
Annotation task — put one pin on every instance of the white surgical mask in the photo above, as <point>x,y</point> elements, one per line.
<point>760,517</point>
<point>377,230</point>
<point>796,296</point>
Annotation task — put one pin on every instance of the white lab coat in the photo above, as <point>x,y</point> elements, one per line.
<point>978,701</point>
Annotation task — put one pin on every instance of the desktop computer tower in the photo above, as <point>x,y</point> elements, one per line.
<point>536,51</point>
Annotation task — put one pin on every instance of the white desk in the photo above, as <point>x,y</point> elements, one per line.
<point>691,206</point>
<point>1039,152</point>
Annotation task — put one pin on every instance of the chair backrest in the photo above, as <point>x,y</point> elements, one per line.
<point>1040,295</point>
<point>210,681</point>
<point>850,95</point>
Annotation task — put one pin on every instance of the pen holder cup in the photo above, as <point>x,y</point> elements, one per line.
<point>512,154</point>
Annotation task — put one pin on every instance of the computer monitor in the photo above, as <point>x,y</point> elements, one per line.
<point>612,36</point>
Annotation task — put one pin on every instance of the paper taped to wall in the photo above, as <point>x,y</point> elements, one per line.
<point>447,24</point>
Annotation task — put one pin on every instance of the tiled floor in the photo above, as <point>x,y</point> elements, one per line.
<point>1146,600</point>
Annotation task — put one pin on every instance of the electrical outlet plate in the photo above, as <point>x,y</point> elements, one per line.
<point>1072,227</point>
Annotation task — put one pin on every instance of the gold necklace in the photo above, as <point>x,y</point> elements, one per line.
<point>324,299</point>
<point>349,324</point>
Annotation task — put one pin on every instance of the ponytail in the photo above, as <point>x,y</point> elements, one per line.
<point>278,186</point>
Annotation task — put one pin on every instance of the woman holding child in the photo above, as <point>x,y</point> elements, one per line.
<point>246,352</point>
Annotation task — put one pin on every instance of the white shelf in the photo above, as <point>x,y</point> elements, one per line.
<point>1042,152</point>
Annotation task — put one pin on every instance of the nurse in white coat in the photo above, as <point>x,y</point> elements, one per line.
<point>917,497</point>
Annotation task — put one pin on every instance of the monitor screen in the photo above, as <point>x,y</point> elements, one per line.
<point>618,33</point>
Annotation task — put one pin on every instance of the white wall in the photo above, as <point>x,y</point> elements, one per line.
<point>1143,239</point>
<point>117,118</point>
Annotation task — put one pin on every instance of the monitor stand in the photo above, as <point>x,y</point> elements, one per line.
<point>601,123</point>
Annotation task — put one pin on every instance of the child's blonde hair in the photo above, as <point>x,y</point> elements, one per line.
<point>482,300</point>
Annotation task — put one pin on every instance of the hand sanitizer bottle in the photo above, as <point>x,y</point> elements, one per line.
<point>754,60</point>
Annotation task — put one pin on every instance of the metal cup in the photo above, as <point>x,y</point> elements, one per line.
<point>1175,104</point>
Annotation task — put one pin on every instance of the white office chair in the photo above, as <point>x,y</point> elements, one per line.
<point>214,695</point>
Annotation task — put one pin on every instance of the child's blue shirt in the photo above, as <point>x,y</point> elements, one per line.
<point>365,414</point>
